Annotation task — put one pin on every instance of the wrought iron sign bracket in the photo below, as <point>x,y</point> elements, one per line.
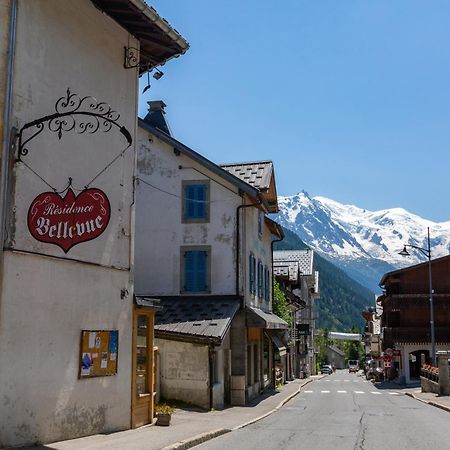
<point>131,59</point>
<point>81,114</point>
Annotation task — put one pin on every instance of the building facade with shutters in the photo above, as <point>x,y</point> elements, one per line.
<point>405,318</point>
<point>203,250</point>
<point>295,272</point>
<point>68,126</point>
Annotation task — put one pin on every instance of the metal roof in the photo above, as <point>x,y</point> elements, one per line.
<point>258,173</point>
<point>303,257</point>
<point>159,42</point>
<point>289,269</point>
<point>261,319</point>
<point>196,318</point>
<point>142,301</point>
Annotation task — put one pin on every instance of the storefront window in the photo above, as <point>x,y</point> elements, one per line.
<point>266,347</point>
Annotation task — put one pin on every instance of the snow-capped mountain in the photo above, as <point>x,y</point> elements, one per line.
<point>364,243</point>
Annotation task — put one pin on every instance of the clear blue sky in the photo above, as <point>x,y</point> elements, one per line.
<point>349,98</point>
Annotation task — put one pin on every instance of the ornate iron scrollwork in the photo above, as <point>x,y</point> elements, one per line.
<point>81,114</point>
<point>131,59</point>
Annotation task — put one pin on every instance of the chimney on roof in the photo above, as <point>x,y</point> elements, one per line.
<point>156,116</point>
<point>156,105</point>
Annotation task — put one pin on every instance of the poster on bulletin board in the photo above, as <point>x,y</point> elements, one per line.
<point>99,353</point>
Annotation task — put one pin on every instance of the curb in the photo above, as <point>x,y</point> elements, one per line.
<point>250,422</point>
<point>200,438</point>
<point>196,440</point>
<point>428,402</point>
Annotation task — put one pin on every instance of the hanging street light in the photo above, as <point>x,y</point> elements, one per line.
<point>427,253</point>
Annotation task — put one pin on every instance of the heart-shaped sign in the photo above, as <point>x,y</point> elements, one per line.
<point>68,221</point>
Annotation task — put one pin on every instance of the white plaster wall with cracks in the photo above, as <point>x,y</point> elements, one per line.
<point>160,232</point>
<point>259,244</point>
<point>46,301</point>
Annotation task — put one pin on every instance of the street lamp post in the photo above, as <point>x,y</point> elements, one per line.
<point>427,253</point>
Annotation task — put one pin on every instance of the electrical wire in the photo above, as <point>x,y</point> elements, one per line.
<point>180,197</point>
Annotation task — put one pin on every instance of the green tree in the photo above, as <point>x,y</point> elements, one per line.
<point>322,342</point>
<point>280,305</point>
<point>353,349</point>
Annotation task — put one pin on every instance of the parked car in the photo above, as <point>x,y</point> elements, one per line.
<point>353,365</point>
<point>326,368</point>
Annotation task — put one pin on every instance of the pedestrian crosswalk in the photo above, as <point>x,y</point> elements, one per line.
<point>350,392</point>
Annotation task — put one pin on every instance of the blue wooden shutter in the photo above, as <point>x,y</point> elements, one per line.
<point>252,273</point>
<point>189,207</point>
<point>189,271</point>
<point>201,201</point>
<point>202,273</point>
<point>260,279</point>
<point>196,271</point>
<point>195,201</point>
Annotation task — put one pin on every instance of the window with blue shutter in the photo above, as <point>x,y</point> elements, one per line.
<point>252,273</point>
<point>195,271</point>
<point>260,280</point>
<point>195,202</point>
<point>267,285</point>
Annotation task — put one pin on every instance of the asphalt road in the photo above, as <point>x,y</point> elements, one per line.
<point>343,411</point>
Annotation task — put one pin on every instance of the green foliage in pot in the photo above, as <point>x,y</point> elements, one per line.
<point>164,408</point>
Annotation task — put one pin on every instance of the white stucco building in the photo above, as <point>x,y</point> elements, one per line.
<point>68,98</point>
<point>207,256</point>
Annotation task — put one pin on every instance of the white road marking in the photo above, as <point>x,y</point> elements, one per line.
<point>359,392</point>
<point>345,381</point>
<point>342,392</point>
<point>393,393</point>
<point>324,392</point>
<point>308,392</point>
<point>374,392</point>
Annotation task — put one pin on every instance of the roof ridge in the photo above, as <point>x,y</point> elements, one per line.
<point>264,161</point>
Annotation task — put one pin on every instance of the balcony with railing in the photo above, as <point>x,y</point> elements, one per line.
<point>415,334</point>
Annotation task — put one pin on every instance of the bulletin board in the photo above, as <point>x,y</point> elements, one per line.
<point>99,353</point>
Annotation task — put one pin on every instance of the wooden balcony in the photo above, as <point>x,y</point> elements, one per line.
<point>415,334</point>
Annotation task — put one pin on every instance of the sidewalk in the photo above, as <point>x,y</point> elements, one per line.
<point>430,398</point>
<point>187,428</point>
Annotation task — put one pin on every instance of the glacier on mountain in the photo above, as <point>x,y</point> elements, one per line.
<point>354,237</point>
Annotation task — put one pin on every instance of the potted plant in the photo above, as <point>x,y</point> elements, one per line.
<point>163,414</point>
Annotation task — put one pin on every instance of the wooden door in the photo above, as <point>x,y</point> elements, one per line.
<point>143,367</point>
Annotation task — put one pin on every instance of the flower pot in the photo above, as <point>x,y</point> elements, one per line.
<point>163,420</point>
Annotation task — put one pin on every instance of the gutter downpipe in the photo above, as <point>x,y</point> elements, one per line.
<point>210,370</point>
<point>6,141</point>
<point>274,383</point>
<point>238,240</point>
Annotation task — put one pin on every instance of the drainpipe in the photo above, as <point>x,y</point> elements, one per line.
<point>273,355</point>
<point>211,375</point>
<point>6,141</point>
<point>238,237</point>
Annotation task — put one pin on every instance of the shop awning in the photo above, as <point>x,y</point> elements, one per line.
<point>279,345</point>
<point>142,301</point>
<point>257,318</point>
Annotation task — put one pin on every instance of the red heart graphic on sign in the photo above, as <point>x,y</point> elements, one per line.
<point>71,220</point>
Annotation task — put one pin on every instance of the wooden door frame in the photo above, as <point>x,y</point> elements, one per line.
<point>150,313</point>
